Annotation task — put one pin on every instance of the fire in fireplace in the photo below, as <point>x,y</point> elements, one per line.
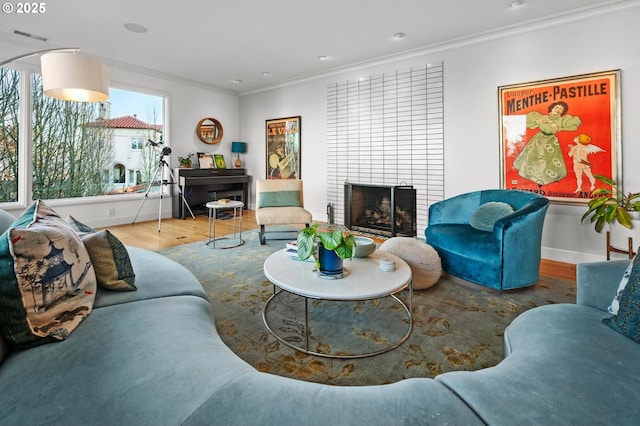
<point>386,210</point>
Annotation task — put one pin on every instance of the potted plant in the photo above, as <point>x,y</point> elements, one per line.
<point>187,161</point>
<point>332,247</point>
<point>612,205</point>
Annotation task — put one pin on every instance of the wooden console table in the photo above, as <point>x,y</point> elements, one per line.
<point>199,186</point>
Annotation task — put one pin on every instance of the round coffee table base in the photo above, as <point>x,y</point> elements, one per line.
<point>212,243</point>
<point>306,350</point>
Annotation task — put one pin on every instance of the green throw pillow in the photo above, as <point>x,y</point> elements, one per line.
<point>47,280</point>
<point>627,321</point>
<point>110,260</point>
<point>279,199</point>
<point>487,214</point>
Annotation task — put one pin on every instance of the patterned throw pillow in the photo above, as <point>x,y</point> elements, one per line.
<point>627,321</point>
<point>79,227</point>
<point>47,281</point>
<point>110,260</point>
<point>615,303</point>
<point>487,214</point>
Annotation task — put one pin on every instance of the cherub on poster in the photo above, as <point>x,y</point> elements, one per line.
<point>556,134</point>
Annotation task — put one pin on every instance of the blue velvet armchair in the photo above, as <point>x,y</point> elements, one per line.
<point>506,256</point>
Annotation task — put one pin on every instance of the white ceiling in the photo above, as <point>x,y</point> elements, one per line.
<point>214,42</point>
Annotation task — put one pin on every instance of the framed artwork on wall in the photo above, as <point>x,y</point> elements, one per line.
<point>556,134</point>
<point>283,136</point>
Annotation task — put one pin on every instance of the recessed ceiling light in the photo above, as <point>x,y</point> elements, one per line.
<point>236,81</point>
<point>516,4</point>
<point>399,36</point>
<point>135,28</point>
<point>323,58</point>
<point>266,74</point>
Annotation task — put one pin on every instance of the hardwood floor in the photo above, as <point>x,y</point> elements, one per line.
<point>174,232</point>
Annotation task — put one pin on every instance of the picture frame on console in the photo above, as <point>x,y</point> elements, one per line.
<point>219,161</point>
<point>205,160</point>
<point>283,142</point>
<point>556,134</point>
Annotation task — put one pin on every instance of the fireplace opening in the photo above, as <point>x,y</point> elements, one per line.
<point>385,210</point>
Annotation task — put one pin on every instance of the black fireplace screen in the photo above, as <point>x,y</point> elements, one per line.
<point>379,209</point>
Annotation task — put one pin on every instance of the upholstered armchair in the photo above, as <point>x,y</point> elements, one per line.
<point>491,237</point>
<point>279,202</point>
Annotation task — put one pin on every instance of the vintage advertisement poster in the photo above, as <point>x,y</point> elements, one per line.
<point>283,148</point>
<point>555,135</point>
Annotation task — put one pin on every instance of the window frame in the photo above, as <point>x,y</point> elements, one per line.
<point>25,143</point>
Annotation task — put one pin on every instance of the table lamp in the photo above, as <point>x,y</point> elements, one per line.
<point>239,147</point>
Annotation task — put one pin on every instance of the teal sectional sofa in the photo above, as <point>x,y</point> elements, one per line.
<point>153,357</point>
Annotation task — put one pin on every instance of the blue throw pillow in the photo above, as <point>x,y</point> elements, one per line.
<point>6,219</point>
<point>487,214</point>
<point>627,321</point>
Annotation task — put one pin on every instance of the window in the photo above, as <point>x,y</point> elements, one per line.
<point>137,144</point>
<point>9,132</point>
<point>77,149</point>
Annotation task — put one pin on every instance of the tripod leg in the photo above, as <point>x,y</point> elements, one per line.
<point>160,204</point>
<point>173,180</point>
<point>146,194</point>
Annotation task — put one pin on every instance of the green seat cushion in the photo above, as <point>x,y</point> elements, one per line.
<point>279,199</point>
<point>47,280</point>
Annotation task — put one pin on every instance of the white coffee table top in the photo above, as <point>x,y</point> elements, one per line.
<point>230,205</point>
<point>364,280</point>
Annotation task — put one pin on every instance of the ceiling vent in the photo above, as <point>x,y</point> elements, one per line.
<point>29,35</point>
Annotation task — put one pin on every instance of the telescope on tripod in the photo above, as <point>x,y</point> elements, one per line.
<point>162,151</point>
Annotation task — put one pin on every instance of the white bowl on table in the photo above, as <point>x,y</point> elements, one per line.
<point>364,247</point>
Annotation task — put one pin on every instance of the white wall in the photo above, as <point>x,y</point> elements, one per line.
<point>473,72</point>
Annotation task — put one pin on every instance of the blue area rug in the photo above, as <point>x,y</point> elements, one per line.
<point>456,326</point>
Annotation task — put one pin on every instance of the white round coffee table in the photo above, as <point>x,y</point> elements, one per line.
<point>364,281</point>
<point>213,207</point>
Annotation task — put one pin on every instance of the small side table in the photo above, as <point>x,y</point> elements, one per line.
<point>213,207</point>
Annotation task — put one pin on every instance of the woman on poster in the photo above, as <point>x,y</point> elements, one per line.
<point>541,159</point>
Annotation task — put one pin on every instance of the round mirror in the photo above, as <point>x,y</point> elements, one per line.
<point>209,130</point>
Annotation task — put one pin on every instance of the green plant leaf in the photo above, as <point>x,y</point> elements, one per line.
<point>344,252</point>
<point>306,240</point>
<point>624,218</point>
<point>600,191</point>
<point>331,240</point>
<point>605,179</point>
<point>610,212</point>
<point>600,224</point>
